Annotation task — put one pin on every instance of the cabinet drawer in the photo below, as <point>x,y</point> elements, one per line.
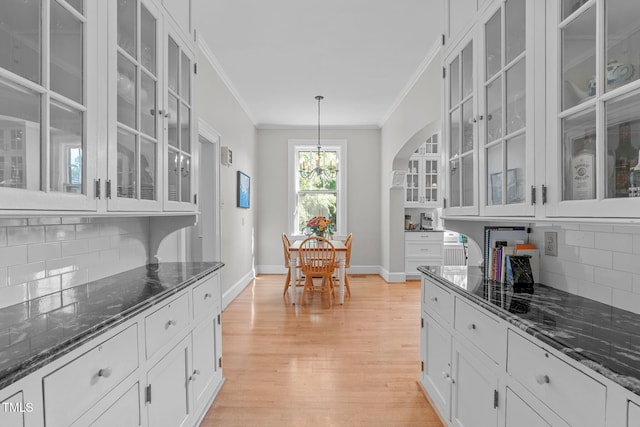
<point>633,415</point>
<point>431,236</point>
<point>411,264</point>
<point>438,300</point>
<point>574,396</point>
<point>423,249</point>
<point>205,296</point>
<point>518,412</point>
<point>165,323</point>
<point>481,330</point>
<point>75,387</point>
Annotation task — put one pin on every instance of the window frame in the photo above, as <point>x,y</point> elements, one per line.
<point>294,147</point>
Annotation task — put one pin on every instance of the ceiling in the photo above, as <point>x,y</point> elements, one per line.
<point>277,55</point>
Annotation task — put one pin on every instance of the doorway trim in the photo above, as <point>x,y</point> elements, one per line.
<point>207,133</point>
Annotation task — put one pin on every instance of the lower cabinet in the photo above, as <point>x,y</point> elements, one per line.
<point>125,412</point>
<point>436,370</point>
<point>518,413</point>
<point>207,358</point>
<point>167,393</point>
<point>13,410</point>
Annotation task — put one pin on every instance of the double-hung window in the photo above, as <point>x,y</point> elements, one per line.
<point>317,195</point>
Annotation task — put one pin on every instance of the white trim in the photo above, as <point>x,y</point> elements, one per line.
<point>433,51</point>
<point>354,269</point>
<point>211,135</point>
<point>217,67</point>
<point>392,277</point>
<point>339,145</point>
<point>236,289</point>
<point>269,126</point>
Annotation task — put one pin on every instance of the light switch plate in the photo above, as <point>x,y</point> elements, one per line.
<point>551,243</point>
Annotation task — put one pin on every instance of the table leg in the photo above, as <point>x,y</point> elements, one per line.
<point>292,269</point>
<point>341,273</point>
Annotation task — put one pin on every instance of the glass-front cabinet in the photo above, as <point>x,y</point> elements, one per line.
<point>461,123</point>
<point>594,99</point>
<point>422,186</point>
<point>47,106</point>
<point>506,129</point>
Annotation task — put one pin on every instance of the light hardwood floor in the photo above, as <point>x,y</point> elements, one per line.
<point>321,365</point>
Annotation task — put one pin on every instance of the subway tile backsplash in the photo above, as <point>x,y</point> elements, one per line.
<point>39,256</point>
<point>597,261</point>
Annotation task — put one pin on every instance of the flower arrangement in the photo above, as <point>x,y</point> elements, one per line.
<point>320,226</point>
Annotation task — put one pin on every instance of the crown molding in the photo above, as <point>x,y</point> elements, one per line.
<point>213,61</point>
<point>435,49</point>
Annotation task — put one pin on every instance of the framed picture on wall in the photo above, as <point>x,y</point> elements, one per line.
<point>244,189</point>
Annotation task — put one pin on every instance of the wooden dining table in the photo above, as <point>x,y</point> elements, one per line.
<point>341,256</point>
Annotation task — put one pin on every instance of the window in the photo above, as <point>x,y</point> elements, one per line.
<point>309,197</point>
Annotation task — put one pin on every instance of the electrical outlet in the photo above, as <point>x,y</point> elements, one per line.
<point>551,243</point>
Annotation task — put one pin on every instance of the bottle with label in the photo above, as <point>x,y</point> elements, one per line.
<point>634,179</point>
<point>583,168</point>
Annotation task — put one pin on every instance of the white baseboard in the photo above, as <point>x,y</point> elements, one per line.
<point>236,289</point>
<point>392,277</point>
<point>354,269</point>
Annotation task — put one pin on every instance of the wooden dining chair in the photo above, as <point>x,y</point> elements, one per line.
<point>347,263</point>
<point>317,260</point>
<point>286,243</point>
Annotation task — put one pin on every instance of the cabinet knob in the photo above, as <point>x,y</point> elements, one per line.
<point>171,323</point>
<point>104,372</point>
<point>542,379</point>
<point>434,299</point>
<point>472,326</point>
<point>194,375</point>
<point>207,295</point>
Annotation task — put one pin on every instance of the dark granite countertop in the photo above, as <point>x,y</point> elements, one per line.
<point>38,331</point>
<point>601,337</point>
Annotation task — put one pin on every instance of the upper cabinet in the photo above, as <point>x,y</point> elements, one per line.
<point>91,119</point>
<point>593,118</point>
<point>422,186</point>
<point>490,112</point>
<point>48,105</point>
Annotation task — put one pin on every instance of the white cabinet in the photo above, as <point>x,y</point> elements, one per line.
<point>168,397</point>
<point>422,248</point>
<point>519,413</point>
<point>422,187</point>
<point>13,410</point>
<point>125,412</point>
<point>593,121</point>
<point>181,13</point>
<point>436,367</point>
<point>166,323</point>
<point>207,358</point>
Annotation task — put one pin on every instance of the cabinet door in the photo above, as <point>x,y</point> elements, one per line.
<point>180,12</point>
<point>474,389</point>
<point>506,131</point>
<point>134,131</point>
<point>125,412</point>
<point>461,123</point>
<point>168,399</point>
<point>48,118</point>
<point>437,365</point>
<point>206,373</point>
<point>593,109</point>
<point>13,410</point>
<point>179,131</point>
<point>412,187</point>
<point>460,15</point>
<point>518,413</point>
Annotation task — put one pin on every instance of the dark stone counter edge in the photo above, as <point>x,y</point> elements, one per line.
<point>630,383</point>
<point>44,358</point>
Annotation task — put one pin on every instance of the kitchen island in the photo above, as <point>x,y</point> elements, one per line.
<point>531,351</point>
<point>92,353</point>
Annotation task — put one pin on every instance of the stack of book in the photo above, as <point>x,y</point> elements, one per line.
<point>501,242</point>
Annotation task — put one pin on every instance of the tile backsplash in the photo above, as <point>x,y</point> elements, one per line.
<point>39,256</point>
<point>600,262</point>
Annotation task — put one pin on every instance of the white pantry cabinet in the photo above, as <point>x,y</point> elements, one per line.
<point>422,248</point>
<point>422,189</point>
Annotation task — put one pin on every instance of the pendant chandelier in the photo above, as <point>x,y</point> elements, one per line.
<point>321,170</point>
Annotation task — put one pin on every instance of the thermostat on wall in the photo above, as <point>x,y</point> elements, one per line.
<point>226,156</point>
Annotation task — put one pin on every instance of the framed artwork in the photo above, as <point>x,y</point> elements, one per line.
<point>244,190</point>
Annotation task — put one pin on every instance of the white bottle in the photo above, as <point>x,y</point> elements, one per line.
<point>583,166</point>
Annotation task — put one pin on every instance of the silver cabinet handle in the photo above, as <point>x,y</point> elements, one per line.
<point>194,375</point>
<point>434,299</point>
<point>104,372</point>
<point>543,379</point>
<point>207,295</point>
<point>171,323</point>
<point>472,326</point>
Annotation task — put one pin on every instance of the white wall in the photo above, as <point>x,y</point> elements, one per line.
<point>363,204</point>
<point>422,105</point>
<point>216,105</point>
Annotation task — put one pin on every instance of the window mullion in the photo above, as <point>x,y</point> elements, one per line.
<point>45,102</point>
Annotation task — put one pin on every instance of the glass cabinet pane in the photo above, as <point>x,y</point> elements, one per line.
<point>172,175</point>
<point>623,42</point>
<point>77,5</point>
<point>127,165</point>
<point>467,126</point>
<point>20,122</point>
<point>623,146</point>
<point>516,114</point>
<point>516,167</point>
<point>21,38</point>
<point>185,78</point>
<point>172,121</point>
<point>127,26</point>
<point>454,187</point>
<point>467,70</point>
<point>173,59</point>
<point>515,32</point>
<point>454,132</point>
<point>494,110</point>
<point>66,66</point>
<point>66,149</point>
<point>493,45</point>
<point>127,88</point>
<point>454,82</point>
<point>185,178</point>
<point>185,128</point>
<point>579,156</point>
<point>570,6</point>
<point>148,104</point>
<point>579,59</point>
<point>147,170</point>
<point>467,180</point>
<point>147,40</point>
<point>494,175</point>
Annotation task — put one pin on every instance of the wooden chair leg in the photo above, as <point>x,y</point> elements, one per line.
<point>287,282</point>
<point>346,284</point>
